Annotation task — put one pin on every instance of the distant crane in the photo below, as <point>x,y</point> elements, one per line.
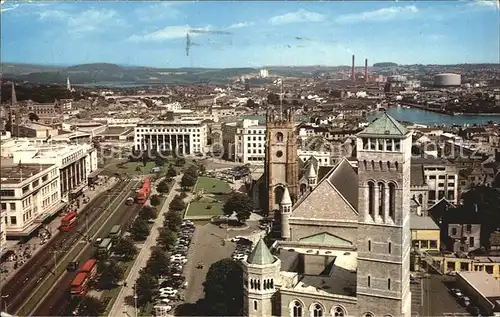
<point>190,43</point>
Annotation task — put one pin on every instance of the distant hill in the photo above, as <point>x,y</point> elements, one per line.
<point>385,64</point>
<point>109,73</point>
<point>39,93</point>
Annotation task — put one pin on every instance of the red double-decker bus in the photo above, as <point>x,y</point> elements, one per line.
<point>68,221</point>
<point>80,285</point>
<point>89,267</point>
<point>144,192</point>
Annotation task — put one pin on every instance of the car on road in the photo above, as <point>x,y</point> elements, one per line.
<point>97,242</point>
<point>180,260</point>
<point>456,292</point>
<point>73,266</point>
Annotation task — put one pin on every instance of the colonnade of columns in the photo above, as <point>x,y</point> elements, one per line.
<point>381,201</point>
<point>73,175</point>
<point>171,142</point>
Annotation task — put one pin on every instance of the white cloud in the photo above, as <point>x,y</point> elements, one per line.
<point>385,14</point>
<point>240,25</point>
<point>159,11</point>
<point>297,17</point>
<point>92,20</point>
<point>7,7</point>
<point>493,4</point>
<point>167,33</point>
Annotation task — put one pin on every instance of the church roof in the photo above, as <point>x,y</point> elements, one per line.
<point>326,238</point>
<point>345,179</point>
<point>385,125</point>
<point>261,254</point>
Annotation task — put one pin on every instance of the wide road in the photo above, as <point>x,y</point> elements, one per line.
<point>58,301</point>
<point>23,283</point>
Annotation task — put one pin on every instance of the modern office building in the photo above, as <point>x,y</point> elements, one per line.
<point>30,193</point>
<point>74,161</point>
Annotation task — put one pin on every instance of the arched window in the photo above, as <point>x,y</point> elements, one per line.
<point>297,309</point>
<point>369,245</point>
<point>371,199</point>
<point>368,315</point>
<point>396,165</point>
<point>388,165</point>
<point>381,198</point>
<point>317,310</point>
<point>279,137</point>
<point>369,281</point>
<point>389,284</point>
<point>255,305</point>
<point>392,200</point>
<point>389,247</point>
<point>338,311</point>
<point>252,284</point>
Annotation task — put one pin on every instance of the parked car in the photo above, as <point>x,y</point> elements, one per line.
<point>456,292</point>
<point>465,301</point>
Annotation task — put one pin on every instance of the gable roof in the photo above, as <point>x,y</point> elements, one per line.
<point>385,125</point>
<point>345,179</point>
<point>261,254</point>
<point>326,238</point>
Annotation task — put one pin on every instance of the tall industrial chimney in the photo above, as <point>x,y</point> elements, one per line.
<point>366,69</point>
<point>353,74</point>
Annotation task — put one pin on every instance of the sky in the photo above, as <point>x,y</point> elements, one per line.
<point>250,33</point>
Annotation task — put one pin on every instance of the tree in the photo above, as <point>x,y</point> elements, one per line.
<point>90,306</point>
<point>162,187</point>
<point>33,117</point>
<point>138,168</point>
<point>177,204</point>
<point>180,161</point>
<point>158,263</point>
<point>159,161</point>
<point>146,287</point>
<point>273,99</point>
<point>148,213</point>
<point>240,203</point>
<point>166,238</point>
<point>110,273</point>
<point>173,221</point>
<point>155,200</point>
<point>139,229</point>
<point>223,288</point>
<point>126,248</point>
<point>188,180</point>
<point>171,171</point>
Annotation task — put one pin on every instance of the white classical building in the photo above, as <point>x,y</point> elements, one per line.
<point>244,141</point>
<point>30,193</point>
<point>74,161</point>
<point>186,137</point>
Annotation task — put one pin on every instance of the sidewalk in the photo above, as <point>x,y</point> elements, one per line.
<point>35,245</point>
<point>120,307</point>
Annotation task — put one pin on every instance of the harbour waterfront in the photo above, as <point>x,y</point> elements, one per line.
<point>433,118</point>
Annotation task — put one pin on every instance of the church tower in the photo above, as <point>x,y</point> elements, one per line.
<point>260,274</point>
<point>384,238</point>
<point>281,164</point>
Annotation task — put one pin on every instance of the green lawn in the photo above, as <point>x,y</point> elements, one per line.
<point>199,209</point>
<point>212,185</point>
<point>130,168</point>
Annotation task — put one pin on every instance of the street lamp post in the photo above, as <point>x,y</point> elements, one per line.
<point>135,299</point>
<point>4,300</point>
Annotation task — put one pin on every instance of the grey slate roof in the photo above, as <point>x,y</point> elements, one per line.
<point>261,254</point>
<point>345,179</point>
<point>385,125</point>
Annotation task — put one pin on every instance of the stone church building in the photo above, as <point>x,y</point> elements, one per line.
<point>345,247</point>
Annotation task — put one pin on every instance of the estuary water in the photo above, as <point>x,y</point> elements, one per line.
<point>430,118</point>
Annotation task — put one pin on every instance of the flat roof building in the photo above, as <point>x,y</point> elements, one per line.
<point>30,193</point>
